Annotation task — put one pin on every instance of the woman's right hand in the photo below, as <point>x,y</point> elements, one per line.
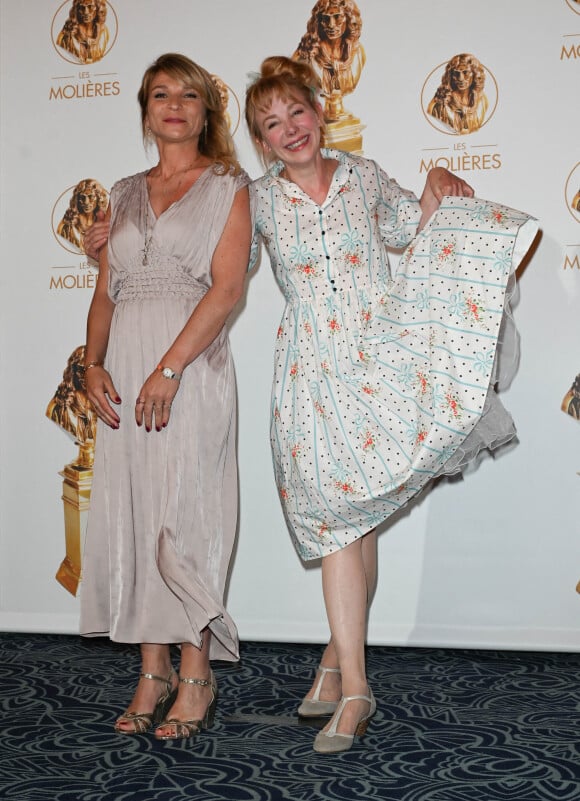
<point>96,236</point>
<point>100,389</point>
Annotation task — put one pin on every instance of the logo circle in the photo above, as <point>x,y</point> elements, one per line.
<point>438,102</point>
<point>68,34</point>
<point>572,192</point>
<point>230,103</point>
<point>74,211</point>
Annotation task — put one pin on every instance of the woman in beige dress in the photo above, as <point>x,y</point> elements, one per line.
<point>159,374</point>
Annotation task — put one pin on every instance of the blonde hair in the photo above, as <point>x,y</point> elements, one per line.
<point>280,77</point>
<point>215,141</point>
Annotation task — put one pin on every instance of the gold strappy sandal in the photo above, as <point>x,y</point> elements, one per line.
<point>143,721</point>
<point>182,729</point>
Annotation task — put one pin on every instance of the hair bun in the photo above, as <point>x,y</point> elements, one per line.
<point>297,72</point>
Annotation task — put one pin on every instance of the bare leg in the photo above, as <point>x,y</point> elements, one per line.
<point>192,699</point>
<point>348,580</point>
<point>331,689</point>
<point>155,660</point>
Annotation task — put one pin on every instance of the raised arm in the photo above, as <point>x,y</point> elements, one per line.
<point>440,182</point>
<point>96,236</point>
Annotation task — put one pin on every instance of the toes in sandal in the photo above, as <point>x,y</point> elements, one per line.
<point>182,729</point>
<point>143,721</point>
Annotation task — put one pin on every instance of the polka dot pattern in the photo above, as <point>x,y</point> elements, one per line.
<point>379,382</point>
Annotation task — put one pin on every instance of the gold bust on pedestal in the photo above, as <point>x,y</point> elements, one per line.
<point>331,46</point>
<point>71,410</point>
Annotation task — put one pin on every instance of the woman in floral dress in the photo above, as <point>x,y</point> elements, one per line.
<point>381,382</point>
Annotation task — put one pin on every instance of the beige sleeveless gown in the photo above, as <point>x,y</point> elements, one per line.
<point>164,505</point>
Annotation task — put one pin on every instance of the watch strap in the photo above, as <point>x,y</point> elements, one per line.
<point>168,372</point>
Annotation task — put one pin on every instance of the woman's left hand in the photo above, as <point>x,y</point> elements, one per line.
<point>153,404</point>
<point>441,182</point>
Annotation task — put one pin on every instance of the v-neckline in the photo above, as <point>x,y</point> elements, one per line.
<point>157,217</point>
<point>289,183</point>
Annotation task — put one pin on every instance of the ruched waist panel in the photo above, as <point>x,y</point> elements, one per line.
<point>151,284</point>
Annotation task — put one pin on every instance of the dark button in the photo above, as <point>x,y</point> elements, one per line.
<point>334,289</point>
<point>323,233</point>
<point>320,211</point>
<point>328,257</point>
<point>332,280</point>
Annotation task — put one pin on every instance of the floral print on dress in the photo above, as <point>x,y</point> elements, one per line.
<point>295,201</point>
<point>351,249</point>
<point>322,530</point>
<point>342,478</point>
<point>494,214</point>
<point>454,405</point>
<point>367,434</point>
<point>366,312</point>
<point>474,310</point>
<point>422,384</point>
<point>304,261</point>
<point>444,250</point>
<point>380,375</point>
<point>316,396</point>
<point>333,324</point>
<point>467,307</point>
<point>416,434</point>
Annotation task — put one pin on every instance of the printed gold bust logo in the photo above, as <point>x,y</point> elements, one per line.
<point>572,192</point>
<point>84,31</point>
<point>75,211</point>
<point>574,5</point>
<point>571,405</point>
<point>230,103</point>
<point>459,97</point>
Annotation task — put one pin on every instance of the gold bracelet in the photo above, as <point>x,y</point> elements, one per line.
<point>93,364</point>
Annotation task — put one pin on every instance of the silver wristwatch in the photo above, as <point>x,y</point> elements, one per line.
<point>167,372</point>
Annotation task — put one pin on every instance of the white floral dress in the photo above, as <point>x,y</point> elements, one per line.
<point>380,385</point>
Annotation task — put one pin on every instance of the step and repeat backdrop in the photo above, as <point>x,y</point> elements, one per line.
<point>490,91</point>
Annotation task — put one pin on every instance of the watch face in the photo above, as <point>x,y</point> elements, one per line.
<point>168,372</point>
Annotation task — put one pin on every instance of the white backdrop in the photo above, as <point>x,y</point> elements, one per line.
<point>489,561</point>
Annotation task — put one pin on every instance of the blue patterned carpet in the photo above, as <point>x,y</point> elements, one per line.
<point>450,726</point>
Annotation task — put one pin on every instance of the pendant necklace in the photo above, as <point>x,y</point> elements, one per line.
<point>165,190</point>
<point>148,238</point>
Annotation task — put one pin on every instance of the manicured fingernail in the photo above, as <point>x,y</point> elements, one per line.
<point>157,428</point>
<point>117,399</point>
<point>147,429</point>
<point>164,424</point>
